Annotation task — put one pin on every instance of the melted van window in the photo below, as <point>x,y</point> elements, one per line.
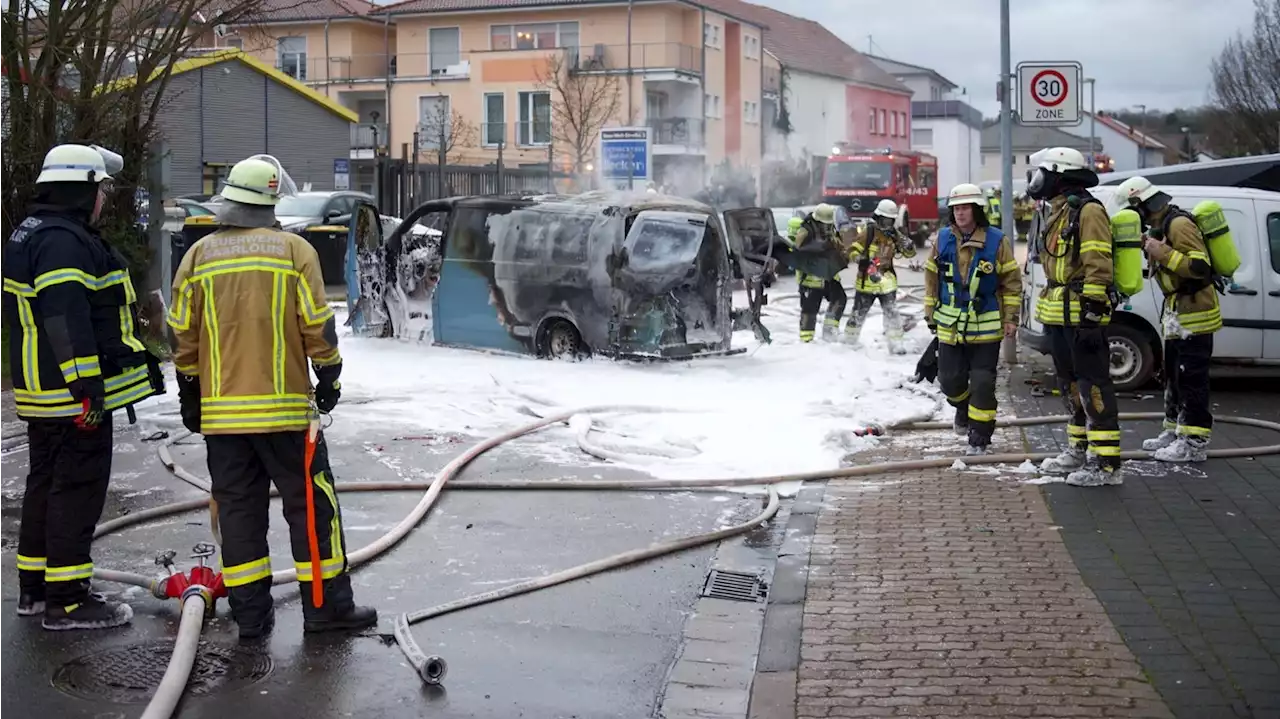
<point>661,244</point>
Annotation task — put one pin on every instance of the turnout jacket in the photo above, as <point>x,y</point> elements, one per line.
<point>69,307</point>
<point>970,304</point>
<point>1185,275</point>
<point>1076,265</point>
<point>874,243</point>
<point>248,311</point>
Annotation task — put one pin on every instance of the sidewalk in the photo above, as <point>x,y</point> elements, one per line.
<point>970,593</point>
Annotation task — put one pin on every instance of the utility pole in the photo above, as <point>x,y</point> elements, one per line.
<point>630,91</point>
<point>1142,138</point>
<point>1009,347</point>
<point>1093,125</point>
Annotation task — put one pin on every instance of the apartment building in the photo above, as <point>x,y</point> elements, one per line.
<point>691,73</point>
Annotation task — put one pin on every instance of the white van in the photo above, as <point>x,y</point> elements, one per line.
<point>1249,341</point>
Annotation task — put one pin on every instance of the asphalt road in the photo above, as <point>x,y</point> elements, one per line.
<point>600,647</point>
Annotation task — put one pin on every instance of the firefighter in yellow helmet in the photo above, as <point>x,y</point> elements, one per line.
<point>1074,247</point>
<point>1180,258</point>
<point>973,294</point>
<point>993,208</point>
<point>1024,208</point>
<point>74,357</point>
<point>817,237</point>
<point>872,251</point>
<point>250,397</point>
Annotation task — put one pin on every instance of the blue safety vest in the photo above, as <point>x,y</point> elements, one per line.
<point>968,308</point>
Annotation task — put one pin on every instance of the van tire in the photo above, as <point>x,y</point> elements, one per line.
<point>559,339</point>
<point>1132,357</point>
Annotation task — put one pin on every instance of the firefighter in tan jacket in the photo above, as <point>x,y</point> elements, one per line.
<point>1075,248</point>
<point>872,252</point>
<point>249,314</point>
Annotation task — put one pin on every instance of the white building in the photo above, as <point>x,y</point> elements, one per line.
<point>1128,147</point>
<point>941,125</point>
<point>1026,142</point>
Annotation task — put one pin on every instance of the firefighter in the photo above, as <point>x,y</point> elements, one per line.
<point>973,292</point>
<point>993,208</point>
<point>818,228</point>
<point>1024,208</point>
<point>872,251</point>
<point>249,397</point>
<point>1074,247</point>
<point>1180,258</point>
<point>74,359</point>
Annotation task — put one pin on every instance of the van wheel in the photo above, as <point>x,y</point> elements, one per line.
<point>1133,361</point>
<point>561,340</point>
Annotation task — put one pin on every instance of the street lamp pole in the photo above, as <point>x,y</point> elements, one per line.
<point>1006,122</point>
<point>1093,125</point>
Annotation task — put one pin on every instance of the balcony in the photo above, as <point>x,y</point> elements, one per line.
<point>647,57</point>
<point>673,135</point>
<point>337,68</point>
<point>368,140</point>
<point>772,81</point>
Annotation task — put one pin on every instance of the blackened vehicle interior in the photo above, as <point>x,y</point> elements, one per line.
<point>558,275</point>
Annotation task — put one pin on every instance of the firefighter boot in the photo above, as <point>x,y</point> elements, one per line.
<point>92,612</point>
<point>852,330</point>
<point>1164,439</point>
<point>830,328</point>
<point>807,322</point>
<point>1095,473</point>
<point>253,609</point>
<point>339,612</point>
<point>31,603</point>
<point>1184,449</point>
<point>1067,461</point>
<point>960,425</point>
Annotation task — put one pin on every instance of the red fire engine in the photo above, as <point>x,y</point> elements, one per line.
<point>857,178</point>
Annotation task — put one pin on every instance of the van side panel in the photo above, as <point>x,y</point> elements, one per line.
<point>1240,336</point>
<point>468,311</point>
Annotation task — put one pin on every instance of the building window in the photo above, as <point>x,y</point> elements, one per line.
<point>896,128</point>
<point>535,118</point>
<point>883,125</point>
<point>935,92</point>
<point>434,118</point>
<point>443,43</point>
<point>711,35</point>
<point>871,125</point>
<point>291,57</point>
<point>750,112</point>
<point>1028,160</point>
<point>495,119</point>
<point>537,36</point>
<point>715,105</point>
<point>235,42</point>
<point>655,105</point>
<point>751,47</point>
<point>922,137</point>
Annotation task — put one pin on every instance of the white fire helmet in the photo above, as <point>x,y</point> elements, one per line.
<point>887,208</point>
<point>79,163</point>
<point>1135,190</point>
<point>966,194</point>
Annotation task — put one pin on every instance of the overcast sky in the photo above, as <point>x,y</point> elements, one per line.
<point>1151,52</point>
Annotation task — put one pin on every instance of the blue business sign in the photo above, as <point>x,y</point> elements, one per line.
<point>624,153</point>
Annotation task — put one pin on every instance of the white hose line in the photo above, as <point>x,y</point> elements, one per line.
<point>426,666</point>
<point>174,682</point>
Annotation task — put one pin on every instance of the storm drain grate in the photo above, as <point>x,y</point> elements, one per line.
<point>735,586</point>
<point>130,675</point>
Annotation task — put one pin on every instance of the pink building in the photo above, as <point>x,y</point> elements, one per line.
<point>877,117</point>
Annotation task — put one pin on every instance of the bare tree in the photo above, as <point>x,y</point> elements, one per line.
<point>445,130</point>
<point>1246,88</point>
<point>97,71</point>
<point>582,103</point>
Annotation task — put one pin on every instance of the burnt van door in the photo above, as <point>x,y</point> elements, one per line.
<point>751,232</point>
<point>366,273</point>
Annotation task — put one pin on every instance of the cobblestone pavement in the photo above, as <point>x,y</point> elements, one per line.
<point>1186,561</point>
<point>943,593</point>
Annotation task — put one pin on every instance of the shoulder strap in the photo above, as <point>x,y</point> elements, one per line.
<point>1174,213</point>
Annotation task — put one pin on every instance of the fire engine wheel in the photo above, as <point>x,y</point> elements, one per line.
<point>559,339</point>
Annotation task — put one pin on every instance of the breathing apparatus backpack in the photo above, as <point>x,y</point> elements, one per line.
<point>1126,246</point>
<point>820,255</point>
<point>1224,258</point>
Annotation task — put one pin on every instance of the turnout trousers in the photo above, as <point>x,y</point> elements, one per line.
<point>66,490</point>
<point>1082,363</point>
<point>242,467</point>
<point>811,301</point>
<point>1186,385</point>
<point>967,374</point>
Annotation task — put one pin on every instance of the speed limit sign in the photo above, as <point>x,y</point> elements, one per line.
<point>1049,93</point>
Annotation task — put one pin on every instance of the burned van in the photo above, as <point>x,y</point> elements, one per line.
<point>626,276</point>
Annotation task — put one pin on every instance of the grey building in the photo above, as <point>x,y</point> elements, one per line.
<point>222,107</point>
<point>1026,142</point>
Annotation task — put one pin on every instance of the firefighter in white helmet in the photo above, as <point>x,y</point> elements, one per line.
<point>74,358</point>
<point>973,294</point>
<point>872,251</point>
<point>1180,257</point>
<point>1074,247</point>
<point>250,398</point>
<point>817,237</point>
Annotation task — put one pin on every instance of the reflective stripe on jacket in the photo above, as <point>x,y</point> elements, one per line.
<point>1185,275</point>
<point>249,309</point>
<point>883,246</point>
<point>983,269</point>
<point>1075,265</point>
<point>70,304</point>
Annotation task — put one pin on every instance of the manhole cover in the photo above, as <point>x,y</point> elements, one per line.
<point>130,675</point>
<point>736,586</point>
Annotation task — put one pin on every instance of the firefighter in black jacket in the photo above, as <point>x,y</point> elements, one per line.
<point>74,358</point>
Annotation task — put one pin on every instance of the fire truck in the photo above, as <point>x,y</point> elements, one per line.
<point>857,178</point>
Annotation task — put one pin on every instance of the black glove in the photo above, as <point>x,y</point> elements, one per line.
<point>933,327</point>
<point>1093,312</point>
<point>189,401</point>
<point>91,393</point>
<point>863,264</point>
<point>328,388</point>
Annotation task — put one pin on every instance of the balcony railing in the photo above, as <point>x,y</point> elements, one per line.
<point>337,68</point>
<point>772,81</point>
<point>683,131</point>
<point>644,56</point>
<point>369,135</point>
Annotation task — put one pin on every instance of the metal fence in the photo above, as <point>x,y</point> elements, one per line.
<point>401,185</point>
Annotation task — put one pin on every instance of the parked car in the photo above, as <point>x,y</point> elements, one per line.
<point>1249,341</point>
<point>307,209</point>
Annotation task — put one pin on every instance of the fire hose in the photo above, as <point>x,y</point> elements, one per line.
<point>432,669</point>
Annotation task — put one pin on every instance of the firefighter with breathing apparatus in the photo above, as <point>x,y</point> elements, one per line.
<point>1085,278</point>
<point>1024,208</point>
<point>1191,254</point>
<point>993,208</point>
<point>973,293</point>
<point>75,357</point>
<point>873,251</point>
<point>815,250</point>
<point>262,287</point>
